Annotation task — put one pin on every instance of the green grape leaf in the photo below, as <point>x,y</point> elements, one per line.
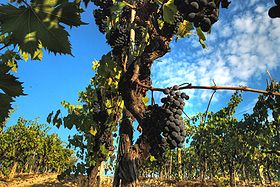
<point>49,118</point>
<point>5,106</point>
<point>9,83</point>
<point>93,131</point>
<point>9,59</point>
<point>103,150</point>
<point>40,22</point>
<point>201,37</point>
<point>184,29</point>
<point>169,10</point>
<point>56,120</point>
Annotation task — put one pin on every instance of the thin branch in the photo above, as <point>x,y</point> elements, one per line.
<point>24,2</point>
<point>205,115</point>
<point>186,114</point>
<point>6,45</point>
<point>153,99</point>
<point>240,88</point>
<point>271,79</point>
<point>129,5</point>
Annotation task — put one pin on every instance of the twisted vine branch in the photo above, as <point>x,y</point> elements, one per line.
<point>238,88</point>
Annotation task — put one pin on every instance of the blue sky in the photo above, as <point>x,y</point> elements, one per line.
<point>242,45</point>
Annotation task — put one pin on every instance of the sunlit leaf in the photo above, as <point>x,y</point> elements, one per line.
<point>40,22</point>
<point>9,83</point>
<point>169,10</point>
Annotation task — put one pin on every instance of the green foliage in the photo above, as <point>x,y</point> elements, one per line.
<point>96,118</point>
<point>169,10</point>
<point>40,22</point>
<point>28,144</point>
<point>30,28</point>
<point>10,87</point>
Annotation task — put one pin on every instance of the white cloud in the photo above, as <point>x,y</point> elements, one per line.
<point>241,46</point>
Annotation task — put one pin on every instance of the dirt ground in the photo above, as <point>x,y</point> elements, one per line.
<point>50,179</point>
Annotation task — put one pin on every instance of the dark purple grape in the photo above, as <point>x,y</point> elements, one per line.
<point>174,110</point>
<point>191,16</point>
<point>170,99</point>
<point>175,87</point>
<point>171,118</point>
<point>178,94</point>
<point>181,100</point>
<point>177,128</point>
<point>177,116</point>
<point>173,125</point>
<point>194,6</point>
<point>202,3</point>
<point>182,127</point>
<point>177,103</point>
<point>205,25</point>
<point>166,91</point>
<point>213,18</point>
<point>174,144</point>
<point>168,111</point>
<point>274,12</point>
<point>166,129</point>
<point>196,24</point>
<point>179,112</point>
<point>174,134</point>
<point>211,5</point>
<point>180,145</point>
<point>225,3</point>
<point>163,100</point>
<point>181,107</point>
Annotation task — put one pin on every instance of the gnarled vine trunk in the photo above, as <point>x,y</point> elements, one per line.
<point>92,175</point>
<point>132,94</point>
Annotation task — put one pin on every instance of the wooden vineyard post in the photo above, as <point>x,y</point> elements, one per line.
<point>179,155</point>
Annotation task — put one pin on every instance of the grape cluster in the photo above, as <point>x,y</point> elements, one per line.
<point>274,12</point>
<point>202,13</point>
<point>103,3</point>
<point>101,16</point>
<point>118,38</point>
<point>153,115</point>
<point>174,130</point>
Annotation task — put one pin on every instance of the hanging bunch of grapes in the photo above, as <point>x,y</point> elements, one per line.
<point>153,116</point>
<point>174,130</point>
<point>202,13</point>
<point>102,14</point>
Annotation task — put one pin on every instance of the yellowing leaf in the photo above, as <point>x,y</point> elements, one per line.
<point>201,37</point>
<point>110,80</point>
<point>24,55</point>
<point>160,23</point>
<point>169,10</point>
<point>145,100</point>
<point>184,29</point>
<point>93,131</point>
<point>30,37</point>
<point>95,65</point>
<point>38,55</point>
<point>13,65</point>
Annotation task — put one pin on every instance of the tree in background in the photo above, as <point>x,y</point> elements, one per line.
<point>27,148</point>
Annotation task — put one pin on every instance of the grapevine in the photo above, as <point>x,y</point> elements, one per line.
<point>202,13</point>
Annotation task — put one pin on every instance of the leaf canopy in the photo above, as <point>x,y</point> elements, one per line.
<point>40,22</point>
